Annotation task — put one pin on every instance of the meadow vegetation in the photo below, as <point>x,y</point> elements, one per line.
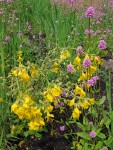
<point>56,74</point>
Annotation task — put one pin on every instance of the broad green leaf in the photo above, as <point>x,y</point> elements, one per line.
<point>84,135</point>
<point>101,101</point>
<point>80,126</point>
<point>101,135</point>
<point>98,145</point>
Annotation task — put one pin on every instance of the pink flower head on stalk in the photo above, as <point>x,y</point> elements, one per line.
<point>93,81</point>
<point>7,38</point>
<point>71,1</point>
<point>90,12</point>
<point>62,128</point>
<point>79,50</point>
<point>86,63</point>
<point>102,45</point>
<point>104,148</point>
<point>92,134</point>
<point>90,82</point>
<point>90,31</point>
<point>70,68</point>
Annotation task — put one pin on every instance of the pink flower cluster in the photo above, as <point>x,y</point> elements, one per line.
<point>90,12</point>
<point>86,63</point>
<point>92,81</point>
<point>102,45</point>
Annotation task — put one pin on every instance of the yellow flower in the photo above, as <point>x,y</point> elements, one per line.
<point>71,102</point>
<point>56,91</point>
<point>1,100</point>
<point>77,90</point>
<point>33,125</point>
<point>82,77</point>
<point>91,101</point>
<point>56,64</point>
<point>77,60</point>
<point>20,59</point>
<point>86,56</point>
<point>24,75</point>
<point>82,94</point>
<point>49,97</point>
<point>34,72</point>
<point>98,60</point>
<point>92,69</point>
<point>15,72</point>
<point>79,146</point>
<point>14,107</point>
<point>55,70</point>
<point>64,55</point>
<point>85,104</point>
<point>49,116</point>
<point>76,113</point>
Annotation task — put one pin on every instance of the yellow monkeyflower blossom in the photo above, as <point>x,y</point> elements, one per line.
<point>56,91</point>
<point>55,70</point>
<point>76,113</point>
<point>85,104</point>
<point>98,60</point>
<point>86,56</point>
<point>82,77</point>
<point>79,146</point>
<point>92,69</point>
<point>28,99</point>
<point>49,116</point>
<point>77,60</point>
<point>91,101</point>
<point>34,72</point>
<point>82,94</point>
<point>49,97</point>
<point>71,102</point>
<point>64,55</point>
<point>24,75</point>
<point>1,100</point>
<point>77,90</point>
<point>33,125</point>
<point>14,107</point>
<point>14,72</point>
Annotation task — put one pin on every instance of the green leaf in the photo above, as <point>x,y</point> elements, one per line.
<point>109,141</point>
<point>101,101</point>
<point>98,145</point>
<point>98,131</point>
<point>84,135</point>
<point>38,135</point>
<point>101,135</point>
<point>80,126</point>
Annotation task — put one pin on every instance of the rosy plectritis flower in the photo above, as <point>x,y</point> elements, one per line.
<point>102,45</point>
<point>92,134</point>
<point>79,50</point>
<point>104,148</point>
<point>90,31</point>
<point>62,128</point>
<point>86,63</point>
<point>70,68</point>
<point>90,12</point>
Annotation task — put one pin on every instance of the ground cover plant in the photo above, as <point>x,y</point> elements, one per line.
<point>56,75</point>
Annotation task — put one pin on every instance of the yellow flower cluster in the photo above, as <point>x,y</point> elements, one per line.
<point>25,109</point>
<point>22,72</point>
<point>51,93</point>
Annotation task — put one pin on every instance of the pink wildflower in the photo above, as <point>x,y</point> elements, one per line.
<point>62,128</point>
<point>90,12</point>
<point>102,45</point>
<point>86,63</point>
<point>92,134</point>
